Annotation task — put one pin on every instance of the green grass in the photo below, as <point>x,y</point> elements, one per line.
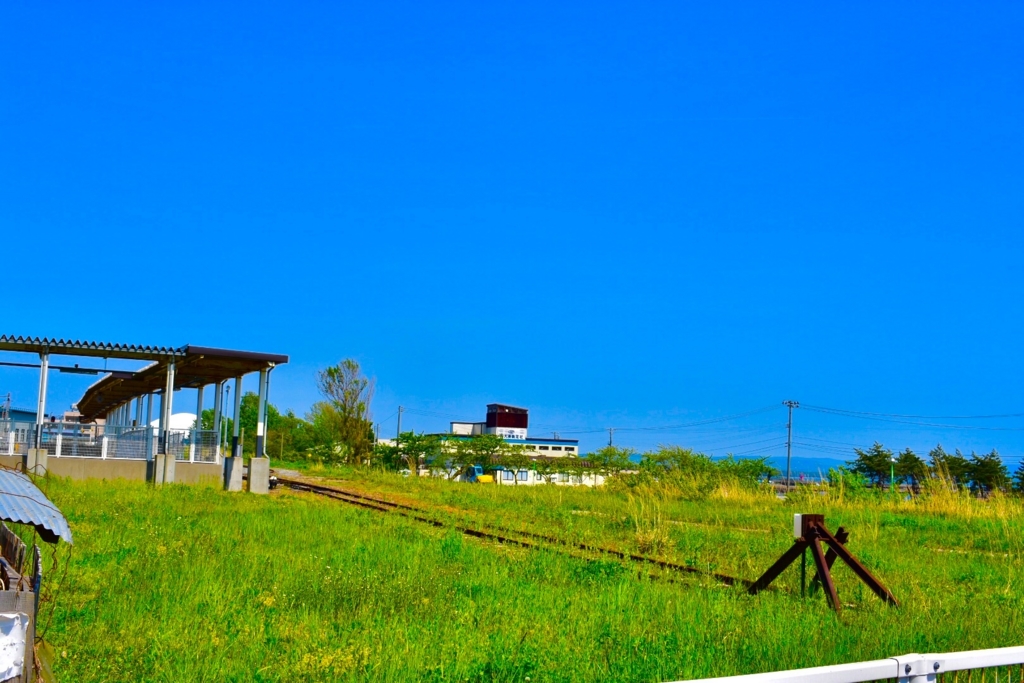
<point>190,583</point>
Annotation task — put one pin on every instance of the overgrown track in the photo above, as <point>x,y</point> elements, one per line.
<point>539,541</point>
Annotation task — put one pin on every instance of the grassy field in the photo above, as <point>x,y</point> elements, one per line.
<point>190,583</point>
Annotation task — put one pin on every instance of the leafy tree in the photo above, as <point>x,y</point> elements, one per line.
<point>910,468</point>
<point>414,448</point>
<point>288,436</point>
<point>752,470</point>
<point>547,467</point>
<point>611,460</point>
<point>678,459</point>
<point>343,416</point>
<point>387,456</point>
<point>854,482</point>
<point>486,450</point>
<point>874,463</point>
<point>988,473</point>
<point>514,458</point>
<point>954,467</point>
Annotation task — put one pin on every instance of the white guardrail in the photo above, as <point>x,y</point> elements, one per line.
<point>912,668</point>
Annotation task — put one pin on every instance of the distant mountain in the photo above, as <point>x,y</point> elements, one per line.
<point>809,467</point>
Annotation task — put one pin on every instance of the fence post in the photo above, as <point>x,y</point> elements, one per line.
<point>60,439</point>
<point>103,447</point>
<point>10,442</point>
<point>195,445</point>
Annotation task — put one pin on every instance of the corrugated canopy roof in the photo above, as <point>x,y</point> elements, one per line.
<point>22,502</point>
<point>197,365</point>
<point>69,347</point>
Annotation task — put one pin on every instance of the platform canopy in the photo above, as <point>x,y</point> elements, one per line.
<point>199,366</point>
<point>194,366</point>
<point>74,347</point>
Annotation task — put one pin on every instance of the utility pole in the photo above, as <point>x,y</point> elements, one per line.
<point>789,441</point>
<point>611,433</point>
<point>398,434</point>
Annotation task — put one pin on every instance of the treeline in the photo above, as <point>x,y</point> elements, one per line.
<point>443,455</point>
<point>336,429</point>
<point>982,473</point>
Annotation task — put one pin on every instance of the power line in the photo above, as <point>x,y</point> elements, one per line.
<point>685,425</point>
<point>921,417</point>
<point>863,416</point>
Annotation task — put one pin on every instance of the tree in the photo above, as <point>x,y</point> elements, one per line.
<point>677,459</point>
<point>1018,478</point>
<point>414,447</point>
<point>514,458</point>
<point>910,468</point>
<point>751,470</point>
<point>988,473</point>
<point>287,435</point>
<point>611,460</point>
<point>346,407</point>
<point>874,463</point>
<point>953,467</point>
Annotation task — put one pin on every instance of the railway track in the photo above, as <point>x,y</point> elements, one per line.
<point>523,539</point>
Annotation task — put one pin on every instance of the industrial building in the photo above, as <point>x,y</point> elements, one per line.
<point>512,423</point>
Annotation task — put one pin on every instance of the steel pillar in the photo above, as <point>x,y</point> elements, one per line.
<point>218,404</point>
<point>261,417</point>
<point>236,446</point>
<point>44,367</point>
<point>166,463</point>
<point>199,407</point>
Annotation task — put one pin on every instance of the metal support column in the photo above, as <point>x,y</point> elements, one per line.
<point>149,426</point>
<point>236,446</point>
<point>44,367</point>
<point>261,416</point>
<point>138,411</point>
<point>218,400</point>
<point>233,464</point>
<point>199,407</point>
<point>198,426</point>
<point>161,425</point>
<point>166,410</point>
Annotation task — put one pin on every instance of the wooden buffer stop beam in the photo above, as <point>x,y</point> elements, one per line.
<point>810,532</point>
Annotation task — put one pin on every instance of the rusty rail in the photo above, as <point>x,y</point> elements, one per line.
<point>540,542</point>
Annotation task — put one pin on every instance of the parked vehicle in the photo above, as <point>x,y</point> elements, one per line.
<point>475,475</point>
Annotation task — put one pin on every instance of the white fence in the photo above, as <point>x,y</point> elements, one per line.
<point>73,440</point>
<point>913,668</point>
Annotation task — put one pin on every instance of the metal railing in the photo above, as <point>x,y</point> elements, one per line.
<point>1006,665</point>
<point>71,440</point>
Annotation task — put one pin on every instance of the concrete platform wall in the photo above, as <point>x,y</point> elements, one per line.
<point>113,468</point>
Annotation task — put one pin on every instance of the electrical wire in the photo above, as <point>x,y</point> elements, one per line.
<point>921,417</point>
<point>685,425</point>
<point>843,413</point>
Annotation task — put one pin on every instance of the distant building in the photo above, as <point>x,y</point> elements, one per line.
<point>511,424</point>
<point>20,423</point>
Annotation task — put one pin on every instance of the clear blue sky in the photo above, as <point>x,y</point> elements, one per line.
<point>615,214</point>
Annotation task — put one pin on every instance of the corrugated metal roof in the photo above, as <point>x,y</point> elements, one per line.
<point>75,347</point>
<point>22,502</point>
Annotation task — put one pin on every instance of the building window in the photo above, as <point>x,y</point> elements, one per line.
<point>542,448</point>
<point>570,449</point>
<point>556,448</point>
<point>523,475</point>
<point>507,475</point>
